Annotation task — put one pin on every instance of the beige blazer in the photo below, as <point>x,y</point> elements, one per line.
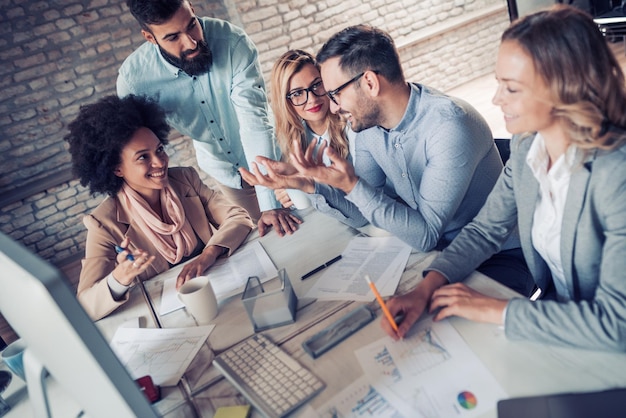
<point>214,219</point>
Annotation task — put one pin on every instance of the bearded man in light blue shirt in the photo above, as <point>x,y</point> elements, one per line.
<point>205,73</point>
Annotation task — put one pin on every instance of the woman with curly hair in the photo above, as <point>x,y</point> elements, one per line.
<point>302,115</point>
<point>563,96</point>
<point>159,216</point>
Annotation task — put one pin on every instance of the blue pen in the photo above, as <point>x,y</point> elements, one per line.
<point>129,256</point>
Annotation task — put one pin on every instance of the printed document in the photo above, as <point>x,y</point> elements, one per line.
<point>162,353</point>
<point>433,370</point>
<point>228,275</point>
<point>361,399</point>
<point>382,258</point>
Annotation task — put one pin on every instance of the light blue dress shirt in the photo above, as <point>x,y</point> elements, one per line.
<point>424,179</point>
<point>223,111</point>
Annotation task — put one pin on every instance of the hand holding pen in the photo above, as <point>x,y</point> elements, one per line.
<point>386,312</point>
<point>130,264</point>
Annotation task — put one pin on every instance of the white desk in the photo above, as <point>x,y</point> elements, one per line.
<point>521,368</point>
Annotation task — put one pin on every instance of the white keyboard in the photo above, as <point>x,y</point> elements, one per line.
<point>271,380</point>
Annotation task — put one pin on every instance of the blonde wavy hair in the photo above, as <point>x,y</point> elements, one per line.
<point>585,80</point>
<point>288,124</point>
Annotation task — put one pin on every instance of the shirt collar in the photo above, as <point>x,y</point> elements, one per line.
<point>170,68</point>
<point>312,135</point>
<point>411,110</point>
<point>537,159</point>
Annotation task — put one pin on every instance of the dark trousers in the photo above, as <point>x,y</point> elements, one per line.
<point>509,268</point>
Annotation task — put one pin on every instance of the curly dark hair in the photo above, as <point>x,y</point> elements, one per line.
<point>100,132</point>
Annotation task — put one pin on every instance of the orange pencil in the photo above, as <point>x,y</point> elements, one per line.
<point>382,303</point>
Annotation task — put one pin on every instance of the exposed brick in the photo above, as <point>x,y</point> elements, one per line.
<point>50,15</point>
<point>23,221</point>
<point>22,115</point>
<point>33,72</point>
<point>110,11</point>
<point>38,6</point>
<point>10,53</point>
<point>45,201</point>
<point>33,238</point>
<point>96,4</point>
<point>14,13</point>
<point>87,17</point>
<point>72,10</point>
<point>44,29</point>
<point>13,91</point>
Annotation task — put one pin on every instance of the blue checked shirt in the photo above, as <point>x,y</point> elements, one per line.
<point>223,111</point>
<point>424,179</point>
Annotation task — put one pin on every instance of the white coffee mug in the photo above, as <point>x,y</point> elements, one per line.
<point>299,198</point>
<point>199,298</point>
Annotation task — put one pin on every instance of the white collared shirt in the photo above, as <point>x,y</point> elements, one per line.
<point>550,206</point>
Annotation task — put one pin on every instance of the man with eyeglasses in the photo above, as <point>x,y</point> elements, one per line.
<point>205,73</point>
<point>424,162</point>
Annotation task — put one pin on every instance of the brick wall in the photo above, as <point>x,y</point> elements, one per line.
<point>57,55</point>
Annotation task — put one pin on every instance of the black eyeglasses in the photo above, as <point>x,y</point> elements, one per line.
<point>331,94</point>
<point>299,97</point>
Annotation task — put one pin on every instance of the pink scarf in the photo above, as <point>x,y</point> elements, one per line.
<point>173,237</point>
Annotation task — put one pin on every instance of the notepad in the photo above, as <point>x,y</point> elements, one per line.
<point>238,411</point>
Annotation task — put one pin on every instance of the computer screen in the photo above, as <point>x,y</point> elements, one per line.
<point>40,306</point>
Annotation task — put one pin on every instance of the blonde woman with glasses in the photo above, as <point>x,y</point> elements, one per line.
<point>301,108</point>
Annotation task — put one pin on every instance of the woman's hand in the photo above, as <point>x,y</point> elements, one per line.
<point>281,220</point>
<point>459,300</point>
<point>340,174</point>
<point>280,175</point>
<point>126,269</point>
<point>411,305</point>
<point>283,197</point>
<point>199,264</point>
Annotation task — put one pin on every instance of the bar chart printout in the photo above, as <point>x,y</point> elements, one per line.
<point>362,400</point>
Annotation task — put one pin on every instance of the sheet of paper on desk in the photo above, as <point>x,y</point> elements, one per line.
<point>382,258</point>
<point>228,275</point>
<point>433,370</point>
<point>162,353</point>
<point>361,399</point>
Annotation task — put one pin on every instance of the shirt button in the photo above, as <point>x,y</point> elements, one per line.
<point>202,102</point>
<point>403,174</point>
<point>211,121</point>
<point>221,139</point>
<point>227,152</point>
<point>396,145</point>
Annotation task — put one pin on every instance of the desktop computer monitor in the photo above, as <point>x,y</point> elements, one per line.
<point>40,306</point>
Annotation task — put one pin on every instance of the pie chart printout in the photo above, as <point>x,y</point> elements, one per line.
<point>467,400</point>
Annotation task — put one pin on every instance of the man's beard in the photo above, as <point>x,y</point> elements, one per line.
<point>194,66</point>
<point>368,114</point>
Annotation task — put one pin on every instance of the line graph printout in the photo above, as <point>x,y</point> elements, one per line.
<point>164,354</point>
<point>433,371</point>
